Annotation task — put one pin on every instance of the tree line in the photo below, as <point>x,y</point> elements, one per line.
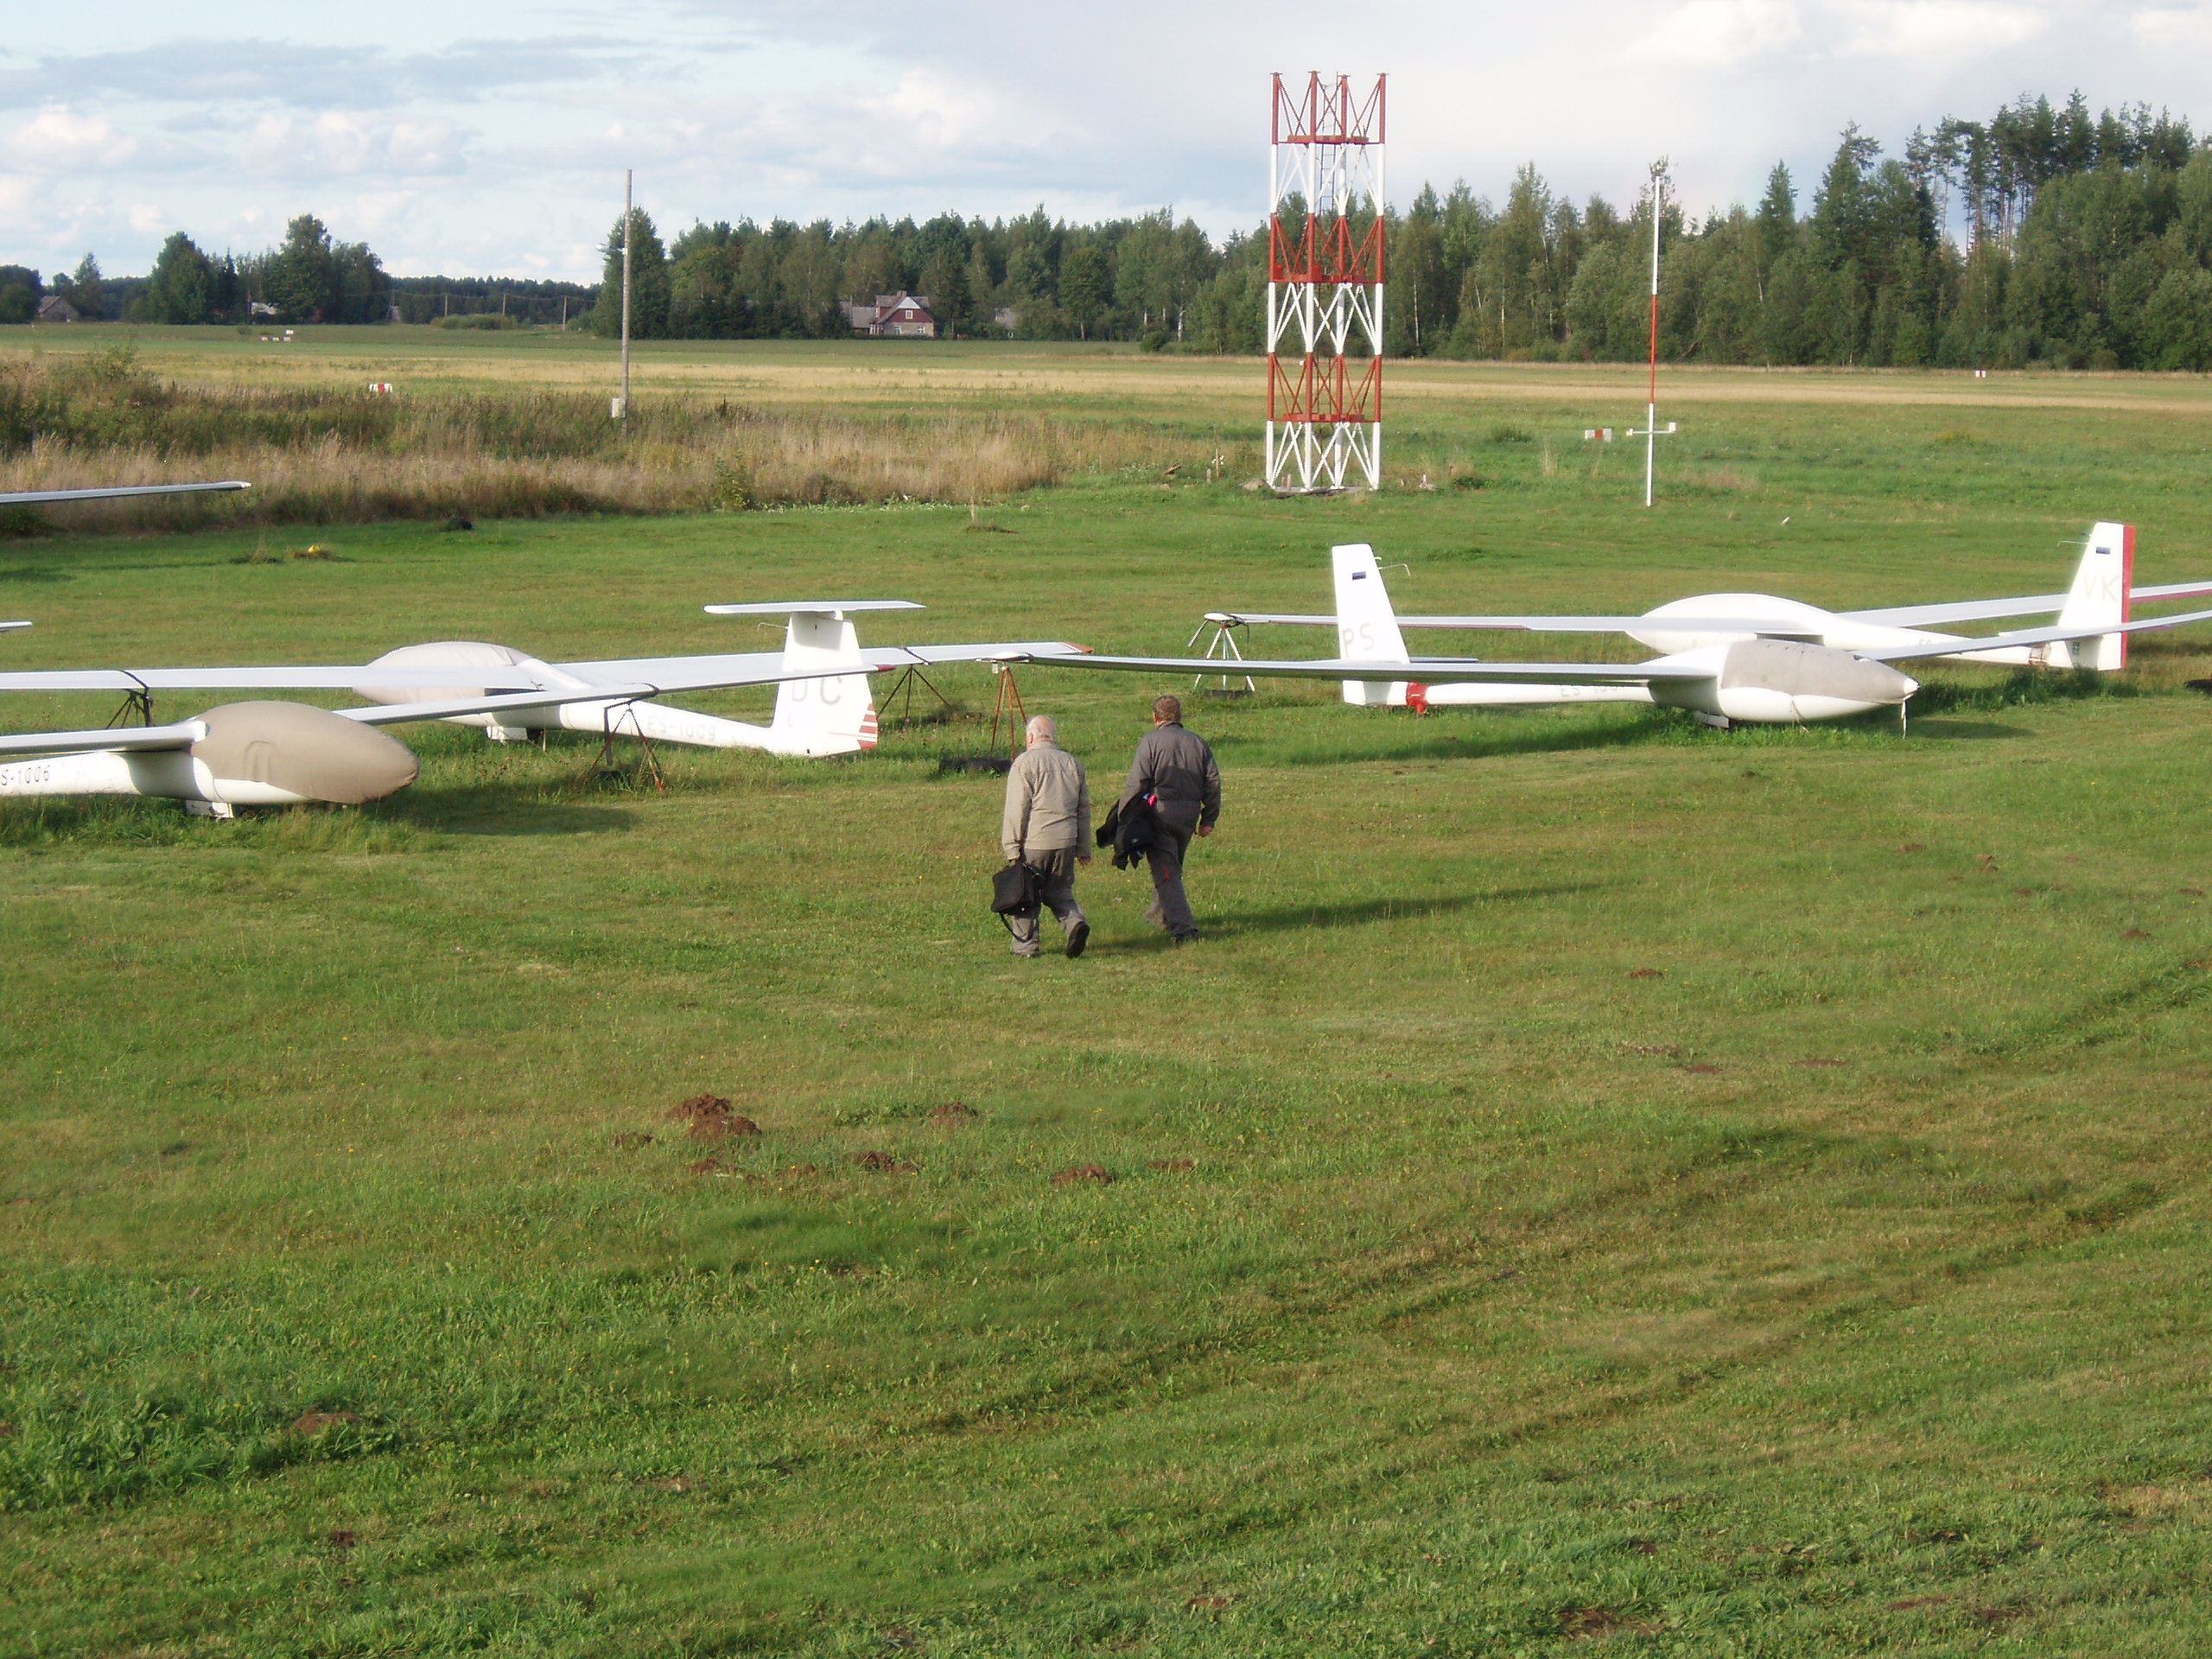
<point>2042,234</point>
<point>309,276</point>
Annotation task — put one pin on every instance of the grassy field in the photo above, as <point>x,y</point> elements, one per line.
<point>1600,1180</point>
<point>516,425</point>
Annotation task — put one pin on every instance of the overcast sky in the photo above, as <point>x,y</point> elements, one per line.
<point>490,137</point>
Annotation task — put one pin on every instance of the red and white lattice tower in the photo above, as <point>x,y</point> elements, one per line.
<point>1324,285</point>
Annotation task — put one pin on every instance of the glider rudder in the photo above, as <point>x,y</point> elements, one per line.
<point>1367,625</point>
<point>835,715</point>
<point>2102,585</point>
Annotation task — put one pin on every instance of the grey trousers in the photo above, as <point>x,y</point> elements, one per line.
<point>1170,905</point>
<point>1058,890</point>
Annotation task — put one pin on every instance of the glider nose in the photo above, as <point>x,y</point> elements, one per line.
<point>277,751</point>
<point>1767,680</point>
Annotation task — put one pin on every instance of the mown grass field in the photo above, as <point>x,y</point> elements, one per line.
<point>1600,1181</point>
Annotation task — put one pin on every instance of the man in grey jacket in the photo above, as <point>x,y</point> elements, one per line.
<point>1047,823</point>
<point>1176,769</point>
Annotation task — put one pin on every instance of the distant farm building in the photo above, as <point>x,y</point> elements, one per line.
<point>54,309</point>
<point>905,316</point>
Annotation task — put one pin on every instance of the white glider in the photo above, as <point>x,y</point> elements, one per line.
<point>264,752</point>
<point>1731,658</point>
<point>2100,601</point>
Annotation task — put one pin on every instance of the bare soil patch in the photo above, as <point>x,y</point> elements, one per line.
<point>315,1423</point>
<point>1082,1172</point>
<point>953,1114</point>
<point>711,1119</point>
<point>634,1138</point>
<point>1591,1624</point>
<point>1648,973</point>
<point>885,1162</point>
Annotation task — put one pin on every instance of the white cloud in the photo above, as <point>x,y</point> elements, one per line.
<point>2186,28</point>
<point>469,138</point>
<point>1932,31</point>
<point>1724,33</point>
<point>1728,33</point>
<point>60,140</point>
<point>346,143</point>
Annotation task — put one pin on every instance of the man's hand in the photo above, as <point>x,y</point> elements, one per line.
<point>1083,858</point>
<point>1205,829</point>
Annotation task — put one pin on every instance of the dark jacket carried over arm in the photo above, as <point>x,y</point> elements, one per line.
<point>1177,769</point>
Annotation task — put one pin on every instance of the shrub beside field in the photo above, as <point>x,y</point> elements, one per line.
<point>322,455</point>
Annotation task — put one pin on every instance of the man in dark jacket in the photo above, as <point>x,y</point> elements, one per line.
<point>1175,769</point>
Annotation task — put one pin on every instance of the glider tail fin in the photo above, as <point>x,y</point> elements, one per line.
<point>835,715</point>
<point>1367,627</point>
<point>2100,595</point>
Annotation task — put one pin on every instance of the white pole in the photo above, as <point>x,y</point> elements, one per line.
<point>1651,404</point>
<point>628,215</point>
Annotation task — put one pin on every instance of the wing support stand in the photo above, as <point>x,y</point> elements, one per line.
<point>137,707</point>
<point>1009,706</point>
<point>905,683</point>
<point>1223,647</point>
<point>649,763</point>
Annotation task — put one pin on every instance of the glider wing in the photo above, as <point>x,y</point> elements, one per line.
<point>1964,646</point>
<point>182,735</point>
<point>1460,672</point>
<point>40,498</point>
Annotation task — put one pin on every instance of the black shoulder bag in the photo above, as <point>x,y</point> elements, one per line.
<point>1015,890</point>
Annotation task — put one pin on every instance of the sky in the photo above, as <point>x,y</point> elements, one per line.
<point>491,137</point>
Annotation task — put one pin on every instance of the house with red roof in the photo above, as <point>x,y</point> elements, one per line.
<point>905,316</point>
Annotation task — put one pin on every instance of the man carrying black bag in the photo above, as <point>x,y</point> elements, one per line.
<point>1047,826</point>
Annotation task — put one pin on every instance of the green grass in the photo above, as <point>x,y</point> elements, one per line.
<point>1595,1182</point>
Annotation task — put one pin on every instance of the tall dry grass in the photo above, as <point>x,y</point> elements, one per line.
<point>322,455</point>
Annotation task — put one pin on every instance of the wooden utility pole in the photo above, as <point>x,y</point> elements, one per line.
<point>622,407</point>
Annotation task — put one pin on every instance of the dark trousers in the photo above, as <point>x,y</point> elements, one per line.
<point>1170,905</point>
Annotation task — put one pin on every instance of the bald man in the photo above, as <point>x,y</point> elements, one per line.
<point>1047,823</point>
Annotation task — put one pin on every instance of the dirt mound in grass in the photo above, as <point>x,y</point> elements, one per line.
<point>314,1422</point>
<point>953,1114</point>
<point>711,1119</point>
<point>1082,1172</point>
<point>1591,1624</point>
<point>885,1162</point>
